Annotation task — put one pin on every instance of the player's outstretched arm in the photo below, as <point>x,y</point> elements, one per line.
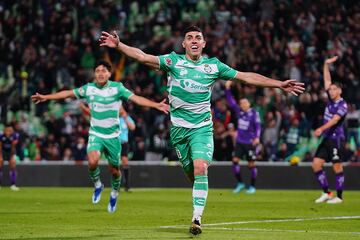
<point>327,76</point>
<point>38,98</point>
<point>161,106</point>
<point>290,86</point>
<point>113,41</point>
<point>336,118</point>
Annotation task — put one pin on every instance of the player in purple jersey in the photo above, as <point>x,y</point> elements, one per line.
<point>331,147</point>
<point>8,142</point>
<point>247,139</point>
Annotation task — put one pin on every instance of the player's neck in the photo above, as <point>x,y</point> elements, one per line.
<point>101,85</point>
<point>194,58</point>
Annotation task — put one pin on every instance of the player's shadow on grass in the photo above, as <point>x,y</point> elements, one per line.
<point>177,231</point>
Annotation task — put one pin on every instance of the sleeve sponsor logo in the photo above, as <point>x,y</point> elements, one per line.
<point>168,61</point>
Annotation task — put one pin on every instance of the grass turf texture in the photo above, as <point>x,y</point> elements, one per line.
<point>67,213</point>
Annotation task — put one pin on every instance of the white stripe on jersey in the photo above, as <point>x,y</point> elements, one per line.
<point>201,107</point>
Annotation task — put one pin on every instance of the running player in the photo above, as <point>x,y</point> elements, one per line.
<point>126,124</point>
<point>8,142</point>
<point>190,82</point>
<point>331,148</point>
<point>247,139</point>
<point>104,98</point>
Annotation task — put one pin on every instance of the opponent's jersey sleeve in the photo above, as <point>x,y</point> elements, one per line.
<point>225,72</point>
<point>257,124</point>
<point>167,61</point>
<point>123,92</point>
<point>81,91</point>
<point>342,109</point>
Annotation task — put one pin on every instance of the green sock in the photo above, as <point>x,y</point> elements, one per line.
<point>200,192</point>
<point>95,174</point>
<point>115,182</point>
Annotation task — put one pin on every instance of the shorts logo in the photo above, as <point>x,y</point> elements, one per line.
<point>335,154</point>
<point>178,153</point>
<point>168,61</point>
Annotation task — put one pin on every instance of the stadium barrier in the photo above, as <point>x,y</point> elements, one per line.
<point>272,175</point>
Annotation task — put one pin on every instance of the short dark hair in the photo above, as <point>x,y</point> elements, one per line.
<point>8,125</point>
<point>193,29</point>
<point>104,63</point>
<point>337,84</point>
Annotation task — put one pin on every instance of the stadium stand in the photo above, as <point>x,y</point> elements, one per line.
<point>47,46</point>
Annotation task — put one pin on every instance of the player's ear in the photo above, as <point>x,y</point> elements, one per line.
<point>204,44</point>
<point>183,44</point>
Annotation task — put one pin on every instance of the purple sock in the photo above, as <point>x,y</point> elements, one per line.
<point>340,179</point>
<point>236,171</point>
<point>321,177</point>
<point>1,176</point>
<point>13,176</point>
<point>253,176</point>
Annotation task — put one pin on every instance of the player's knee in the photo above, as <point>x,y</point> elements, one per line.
<point>200,168</point>
<point>337,167</point>
<point>316,166</point>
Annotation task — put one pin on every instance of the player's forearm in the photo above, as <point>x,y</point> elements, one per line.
<point>60,95</point>
<point>143,101</point>
<point>129,124</point>
<point>329,124</point>
<point>257,80</point>
<point>132,52</point>
<point>327,76</point>
<point>230,99</point>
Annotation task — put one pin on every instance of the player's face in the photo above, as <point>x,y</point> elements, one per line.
<point>244,104</point>
<point>8,131</point>
<point>334,92</point>
<point>193,43</point>
<point>102,74</point>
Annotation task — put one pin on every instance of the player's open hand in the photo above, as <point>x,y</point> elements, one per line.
<point>318,132</point>
<point>38,98</point>
<point>293,87</point>
<point>163,107</point>
<point>109,40</point>
<point>331,60</point>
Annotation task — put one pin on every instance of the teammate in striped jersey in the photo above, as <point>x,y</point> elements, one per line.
<point>104,98</point>
<point>191,78</point>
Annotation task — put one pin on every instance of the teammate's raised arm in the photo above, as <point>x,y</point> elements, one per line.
<point>113,41</point>
<point>327,76</point>
<point>290,86</point>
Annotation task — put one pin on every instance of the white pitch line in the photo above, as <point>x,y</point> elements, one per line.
<point>269,221</point>
<point>279,230</point>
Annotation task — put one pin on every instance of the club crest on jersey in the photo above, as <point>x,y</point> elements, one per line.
<point>207,68</point>
<point>168,61</point>
<point>81,91</point>
<point>183,71</point>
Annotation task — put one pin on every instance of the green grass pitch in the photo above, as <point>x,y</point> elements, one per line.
<point>67,213</point>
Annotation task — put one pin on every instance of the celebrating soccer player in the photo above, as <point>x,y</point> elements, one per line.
<point>191,78</point>
<point>331,147</point>
<point>104,98</point>
<point>8,142</point>
<point>247,138</point>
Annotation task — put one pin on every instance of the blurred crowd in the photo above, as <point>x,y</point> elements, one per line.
<point>48,45</point>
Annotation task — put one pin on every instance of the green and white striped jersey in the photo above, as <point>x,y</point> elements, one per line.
<point>190,85</point>
<point>104,103</point>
